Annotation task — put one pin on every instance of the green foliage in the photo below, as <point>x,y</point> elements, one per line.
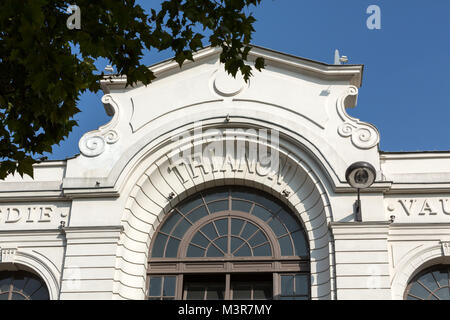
<point>42,76</point>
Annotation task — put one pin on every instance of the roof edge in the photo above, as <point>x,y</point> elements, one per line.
<point>354,72</point>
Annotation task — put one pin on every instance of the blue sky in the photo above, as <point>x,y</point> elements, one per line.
<point>406,80</point>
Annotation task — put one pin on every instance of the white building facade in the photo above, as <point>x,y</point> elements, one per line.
<point>204,186</point>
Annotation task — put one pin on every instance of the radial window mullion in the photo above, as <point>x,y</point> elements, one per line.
<point>253,234</point>
<point>261,244</point>
<point>229,237</point>
<point>242,244</point>
<point>425,287</point>
<point>415,297</point>
<point>216,246</point>
<point>205,204</point>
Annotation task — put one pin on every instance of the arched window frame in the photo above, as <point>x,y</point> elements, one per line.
<point>427,289</point>
<point>14,283</point>
<point>277,264</point>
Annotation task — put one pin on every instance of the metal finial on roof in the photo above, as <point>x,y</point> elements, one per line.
<point>109,68</point>
<point>338,59</point>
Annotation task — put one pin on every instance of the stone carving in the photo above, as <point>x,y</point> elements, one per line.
<point>34,214</point>
<point>421,207</point>
<point>363,135</point>
<point>7,254</point>
<point>226,85</point>
<point>93,143</point>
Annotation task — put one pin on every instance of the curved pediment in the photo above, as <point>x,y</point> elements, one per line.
<point>296,96</point>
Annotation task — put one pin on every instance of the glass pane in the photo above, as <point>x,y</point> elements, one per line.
<point>213,252</point>
<point>429,282</point>
<point>217,206</point>
<point>287,285</point>
<point>4,296</point>
<point>190,204</point>
<point>200,240</point>
<point>195,293</point>
<point>418,291</point>
<point>257,239</point>
<point>215,293</point>
<point>169,286</point>
<point>170,222</point>
<point>244,251</point>
<point>243,195</point>
<point>158,247</point>
<point>155,286</point>
<point>441,277</point>
<point>17,296</point>
<point>286,246</point>
<point>262,251</point>
<point>5,283</point>
<point>248,231</point>
<point>289,221</point>
<point>172,248</point>
<point>242,292</point>
<point>209,231</point>
<point>443,294</point>
<point>19,282</point>
<point>239,205</point>
<point>268,204</point>
<point>41,294</point>
<point>215,196</point>
<point>197,214</point>
<point>262,291</point>
<point>236,226</point>
<point>194,252</point>
<point>277,227</point>
<point>300,298</point>
<point>261,213</point>
<point>222,226</point>
<point>301,284</point>
<point>301,248</point>
<point>222,243</point>
<point>235,243</point>
<point>181,228</point>
<point>31,286</point>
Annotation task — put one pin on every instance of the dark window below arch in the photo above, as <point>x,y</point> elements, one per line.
<point>431,284</point>
<point>229,243</point>
<point>22,285</point>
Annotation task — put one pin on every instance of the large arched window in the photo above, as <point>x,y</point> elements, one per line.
<point>430,284</point>
<point>22,285</point>
<point>247,242</point>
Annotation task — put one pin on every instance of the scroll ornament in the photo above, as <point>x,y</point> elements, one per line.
<point>94,142</point>
<point>363,135</point>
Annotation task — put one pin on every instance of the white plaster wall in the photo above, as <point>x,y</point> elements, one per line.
<point>112,197</point>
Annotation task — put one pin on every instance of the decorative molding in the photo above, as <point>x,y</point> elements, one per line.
<point>94,142</point>
<point>225,84</point>
<point>363,135</point>
<point>445,248</point>
<point>8,254</point>
<point>148,204</point>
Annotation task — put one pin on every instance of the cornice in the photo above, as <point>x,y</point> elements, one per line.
<point>351,73</point>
